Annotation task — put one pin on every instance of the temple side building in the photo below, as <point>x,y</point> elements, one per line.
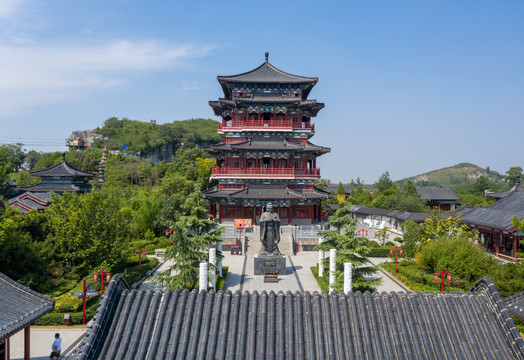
<point>266,155</point>
<point>58,179</point>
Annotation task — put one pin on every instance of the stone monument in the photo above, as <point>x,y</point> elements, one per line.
<point>269,260</point>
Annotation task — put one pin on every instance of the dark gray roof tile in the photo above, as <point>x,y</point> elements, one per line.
<point>184,324</point>
<point>20,306</point>
<point>61,169</point>
<point>437,194</point>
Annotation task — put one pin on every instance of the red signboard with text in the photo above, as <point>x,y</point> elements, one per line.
<point>243,223</point>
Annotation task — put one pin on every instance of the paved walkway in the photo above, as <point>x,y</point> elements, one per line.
<point>388,283</point>
<point>42,338</point>
<point>151,283</point>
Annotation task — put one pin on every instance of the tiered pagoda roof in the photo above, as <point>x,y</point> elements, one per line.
<point>268,145</point>
<point>62,169</point>
<point>267,191</point>
<point>201,325</point>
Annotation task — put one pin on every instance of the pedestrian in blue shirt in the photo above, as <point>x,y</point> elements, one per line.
<point>56,347</point>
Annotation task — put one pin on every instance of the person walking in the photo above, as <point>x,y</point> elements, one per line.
<point>56,348</point>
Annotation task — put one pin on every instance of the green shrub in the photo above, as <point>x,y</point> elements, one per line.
<point>520,255</point>
<point>409,274</point>
<point>457,254</point>
<point>390,243</point>
<point>221,281</point>
<point>324,286</point>
<point>381,251</point>
<point>373,243</point>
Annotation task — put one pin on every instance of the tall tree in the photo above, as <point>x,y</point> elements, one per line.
<point>514,175</point>
<point>193,234</point>
<point>341,193</point>
<point>384,182</point>
<point>350,248</point>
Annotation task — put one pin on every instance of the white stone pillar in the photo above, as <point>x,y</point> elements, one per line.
<point>320,258</point>
<point>203,276</point>
<point>348,277</point>
<point>212,268</point>
<point>219,265</point>
<point>332,265</point>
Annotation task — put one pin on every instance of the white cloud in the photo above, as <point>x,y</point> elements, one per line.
<point>189,85</point>
<point>7,8</point>
<point>31,70</point>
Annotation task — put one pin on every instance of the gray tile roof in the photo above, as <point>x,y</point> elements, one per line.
<point>57,187</point>
<point>20,306</point>
<point>61,169</point>
<point>269,145</point>
<point>437,194</point>
<point>205,325</point>
<point>498,215</point>
<point>267,73</point>
<point>503,194</point>
<point>266,192</point>
<point>515,305</point>
<point>334,187</point>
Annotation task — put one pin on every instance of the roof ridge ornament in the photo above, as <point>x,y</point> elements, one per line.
<point>267,56</point>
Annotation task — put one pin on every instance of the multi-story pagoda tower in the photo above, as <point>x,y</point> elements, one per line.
<point>266,155</point>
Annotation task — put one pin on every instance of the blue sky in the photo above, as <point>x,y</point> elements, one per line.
<point>409,86</point>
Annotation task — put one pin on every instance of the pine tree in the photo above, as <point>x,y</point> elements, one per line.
<point>350,248</point>
<point>341,194</point>
<point>193,234</point>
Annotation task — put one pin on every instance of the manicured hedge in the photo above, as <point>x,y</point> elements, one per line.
<point>324,286</point>
<point>221,281</point>
<point>381,251</point>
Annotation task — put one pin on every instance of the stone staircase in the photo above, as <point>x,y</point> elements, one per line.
<point>254,245</point>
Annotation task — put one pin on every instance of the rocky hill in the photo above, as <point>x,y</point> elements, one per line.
<point>460,174</point>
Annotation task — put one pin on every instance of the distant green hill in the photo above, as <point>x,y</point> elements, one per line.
<point>457,175</point>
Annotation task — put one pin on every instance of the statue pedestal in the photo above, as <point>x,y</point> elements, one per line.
<point>270,264</point>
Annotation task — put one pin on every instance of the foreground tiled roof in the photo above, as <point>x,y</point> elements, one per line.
<point>437,194</point>
<point>206,325</point>
<point>20,306</point>
<point>515,305</point>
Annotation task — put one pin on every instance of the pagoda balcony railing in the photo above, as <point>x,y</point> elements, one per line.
<point>265,172</point>
<point>265,124</point>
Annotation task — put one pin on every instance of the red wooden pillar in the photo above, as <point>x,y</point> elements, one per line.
<point>289,215</point>
<point>8,348</point>
<point>499,238</point>
<point>27,343</point>
<point>311,213</point>
<point>515,248</point>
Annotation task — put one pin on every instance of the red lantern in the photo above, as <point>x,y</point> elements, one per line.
<point>95,277</point>
<point>108,277</point>
<point>400,252</point>
<point>391,251</point>
<point>435,277</point>
<point>448,278</point>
